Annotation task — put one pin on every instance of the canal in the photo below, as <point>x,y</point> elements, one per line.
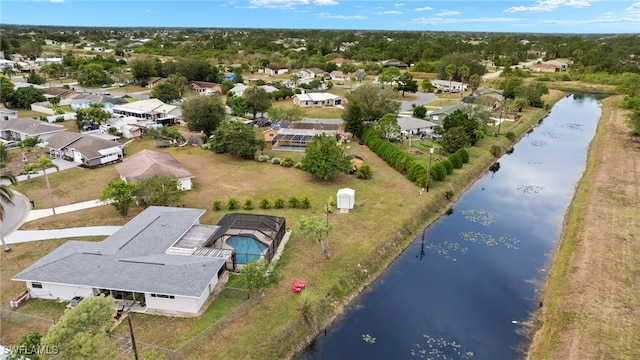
<point>462,289</point>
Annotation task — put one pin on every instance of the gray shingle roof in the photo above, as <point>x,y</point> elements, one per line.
<point>87,145</point>
<point>132,259</point>
<point>30,127</point>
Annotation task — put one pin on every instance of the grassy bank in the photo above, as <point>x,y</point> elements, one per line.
<point>389,212</point>
<point>592,295</point>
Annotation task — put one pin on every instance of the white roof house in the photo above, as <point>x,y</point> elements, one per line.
<point>147,109</point>
<point>317,100</point>
<point>239,89</point>
<point>18,129</point>
<point>410,125</point>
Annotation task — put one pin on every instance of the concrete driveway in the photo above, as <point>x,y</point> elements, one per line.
<point>421,99</point>
<point>14,214</point>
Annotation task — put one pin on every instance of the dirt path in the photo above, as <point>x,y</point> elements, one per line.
<point>592,297</point>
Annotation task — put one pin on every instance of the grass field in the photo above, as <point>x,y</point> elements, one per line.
<point>389,211</point>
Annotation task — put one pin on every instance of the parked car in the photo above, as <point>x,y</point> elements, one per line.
<point>262,122</point>
<point>75,301</point>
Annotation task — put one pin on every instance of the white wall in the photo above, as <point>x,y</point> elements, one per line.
<point>59,291</point>
<point>184,184</point>
<point>179,303</point>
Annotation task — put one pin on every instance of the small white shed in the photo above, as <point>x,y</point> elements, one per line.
<point>346,199</point>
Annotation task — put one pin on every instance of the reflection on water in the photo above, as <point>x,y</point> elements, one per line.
<point>463,288</point>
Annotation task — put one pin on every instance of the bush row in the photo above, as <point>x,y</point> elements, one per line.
<point>264,203</point>
<point>404,163</point>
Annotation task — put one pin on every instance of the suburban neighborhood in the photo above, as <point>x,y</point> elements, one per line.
<point>245,184</point>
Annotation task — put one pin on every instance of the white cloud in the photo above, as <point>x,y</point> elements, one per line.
<point>634,7</point>
<point>341,17</point>
<point>599,20</point>
<point>277,4</point>
<point>549,5</point>
<point>426,8</point>
<point>448,13</point>
<point>56,1</point>
<point>324,2</point>
<point>398,4</point>
<point>389,12</point>
<point>440,20</point>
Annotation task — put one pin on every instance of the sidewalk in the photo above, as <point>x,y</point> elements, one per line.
<point>21,236</point>
<point>42,213</point>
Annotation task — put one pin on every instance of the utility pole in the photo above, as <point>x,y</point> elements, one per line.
<point>431,150</point>
<point>133,339</point>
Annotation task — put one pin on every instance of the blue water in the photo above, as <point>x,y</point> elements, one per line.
<point>247,248</point>
<point>463,294</point>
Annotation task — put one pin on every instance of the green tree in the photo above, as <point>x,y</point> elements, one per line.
<point>318,227</point>
<point>178,81</point>
<point>360,75</point>
<point>512,87</point>
<point>143,68</point>
<point>388,75</point>
<point>364,172</point>
<point>462,119</point>
<point>463,73</point>
<point>427,86</point>
<point>420,111</point>
<point>30,141</point>
<point>387,127</point>
<point>533,93</point>
<point>166,92</point>
<point>257,277</point>
<point>405,83</point>
<point>91,117</point>
<point>235,138</point>
<point>6,198</point>
<point>474,81</point>
<point>203,113</point>
<point>371,102</point>
<point>35,78</point>
<point>27,95</point>
<point>451,73</point>
<point>27,347</point>
<point>454,139</point>
<point>239,106</point>
<point>120,195</point>
<point>520,103</point>
<point>324,158</point>
<point>294,113</point>
<point>258,99</point>
<point>6,91</point>
<point>44,164</point>
<point>82,331</point>
<point>158,191</point>
<point>93,75</point>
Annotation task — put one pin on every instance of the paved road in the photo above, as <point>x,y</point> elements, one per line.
<point>421,99</point>
<point>14,215</point>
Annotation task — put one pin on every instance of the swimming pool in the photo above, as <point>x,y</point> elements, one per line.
<point>247,248</point>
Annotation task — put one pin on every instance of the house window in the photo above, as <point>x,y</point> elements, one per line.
<point>163,296</point>
<point>36,285</point>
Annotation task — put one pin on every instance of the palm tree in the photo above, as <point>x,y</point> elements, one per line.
<point>463,71</point>
<point>451,72</point>
<point>295,79</point>
<point>6,197</point>
<point>43,164</point>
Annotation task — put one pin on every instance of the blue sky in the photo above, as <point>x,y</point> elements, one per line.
<point>548,16</point>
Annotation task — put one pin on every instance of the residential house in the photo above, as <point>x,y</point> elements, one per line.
<point>545,67</point>
<point>309,73</point>
<point>65,95</point>
<point>8,114</point>
<point>414,126</point>
<point>85,101</point>
<point>19,129</point>
<point>317,100</point>
<point>338,75</point>
<point>230,76</point>
<point>296,139</point>
<point>239,89</point>
<point>151,109</point>
<point>273,70</point>
<point>130,127</point>
<point>154,80</point>
<point>205,88</point>
<point>449,86</point>
<point>84,149</point>
<point>436,116</point>
<point>394,63</point>
<point>147,163</point>
<point>163,261</point>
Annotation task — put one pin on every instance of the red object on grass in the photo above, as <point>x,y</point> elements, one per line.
<point>297,285</point>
